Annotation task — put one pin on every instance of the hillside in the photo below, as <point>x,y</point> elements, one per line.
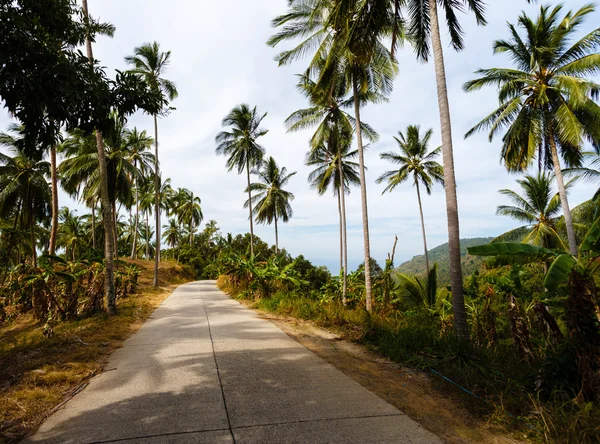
<point>439,255</point>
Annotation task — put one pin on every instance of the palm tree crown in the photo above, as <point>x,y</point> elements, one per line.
<point>239,144</point>
<point>414,161</point>
<point>538,206</point>
<point>272,202</point>
<point>151,63</point>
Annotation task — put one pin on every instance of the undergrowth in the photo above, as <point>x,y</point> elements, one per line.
<point>501,385</point>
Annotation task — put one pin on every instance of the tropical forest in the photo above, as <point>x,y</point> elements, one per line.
<point>334,204</point>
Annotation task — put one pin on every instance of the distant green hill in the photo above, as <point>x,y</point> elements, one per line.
<point>584,215</point>
<point>439,255</point>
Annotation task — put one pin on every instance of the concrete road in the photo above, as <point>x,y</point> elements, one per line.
<point>205,369</point>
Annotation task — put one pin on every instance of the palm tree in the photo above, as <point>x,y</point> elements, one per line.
<point>347,36</point>
<point>71,233</point>
<point>109,247</point>
<point>24,190</point>
<point>240,145</point>
<point>272,201</point>
<point>538,206</point>
<point>146,199</point>
<point>334,128</point>
<point>171,234</point>
<point>334,167</point>
<point>546,103</point>
<point>139,144</point>
<point>414,160</point>
<point>81,176</point>
<point>424,29</point>
<point>151,63</point>
<point>190,212</point>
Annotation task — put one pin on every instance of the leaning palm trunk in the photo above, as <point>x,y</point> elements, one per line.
<point>423,228</point>
<point>458,301</point>
<point>363,195</point>
<point>156,202</point>
<point>562,191</point>
<point>109,278</point>
<point>54,181</point>
<point>250,207</point>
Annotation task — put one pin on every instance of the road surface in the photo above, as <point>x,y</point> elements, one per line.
<point>205,369</point>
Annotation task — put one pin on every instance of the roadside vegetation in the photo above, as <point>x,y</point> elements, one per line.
<point>43,364</point>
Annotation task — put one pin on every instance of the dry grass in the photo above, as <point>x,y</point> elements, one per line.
<point>37,374</point>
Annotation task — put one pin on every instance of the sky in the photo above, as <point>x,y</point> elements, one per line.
<point>220,59</point>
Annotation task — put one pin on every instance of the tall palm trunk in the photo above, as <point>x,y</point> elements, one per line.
<point>109,277</point>
<point>342,194</point>
<point>191,234</point>
<point>156,202</point>
<point>276,237</point>
<point>137,217</point>
<point>250,207</point>
<point>94,224</point>
<point>363,195</point>
<point>54,181</point>
<point>423,228</point>
<point>562,191</point>
<point>458,300</point>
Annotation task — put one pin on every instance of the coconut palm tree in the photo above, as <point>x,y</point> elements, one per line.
<point>334,167</point>
<point>24,191</point>
<point>150,63</point>
<point>81,176</point>
<point>414,161</point>
<point>146,199</point>
<point>271,201</point>
<point>240,145</point>
<point>71,233</point>
<point>347,37</point>
<point>424,29</point>
<point>538,207</point>
<point>547,105</point>
<point>333,124</point>
<point>139,144</point>
<point>171,234</point>
<point>107,216</point>
<point>190,212</point>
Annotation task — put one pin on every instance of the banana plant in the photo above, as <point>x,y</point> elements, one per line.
<point>563,264</point>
